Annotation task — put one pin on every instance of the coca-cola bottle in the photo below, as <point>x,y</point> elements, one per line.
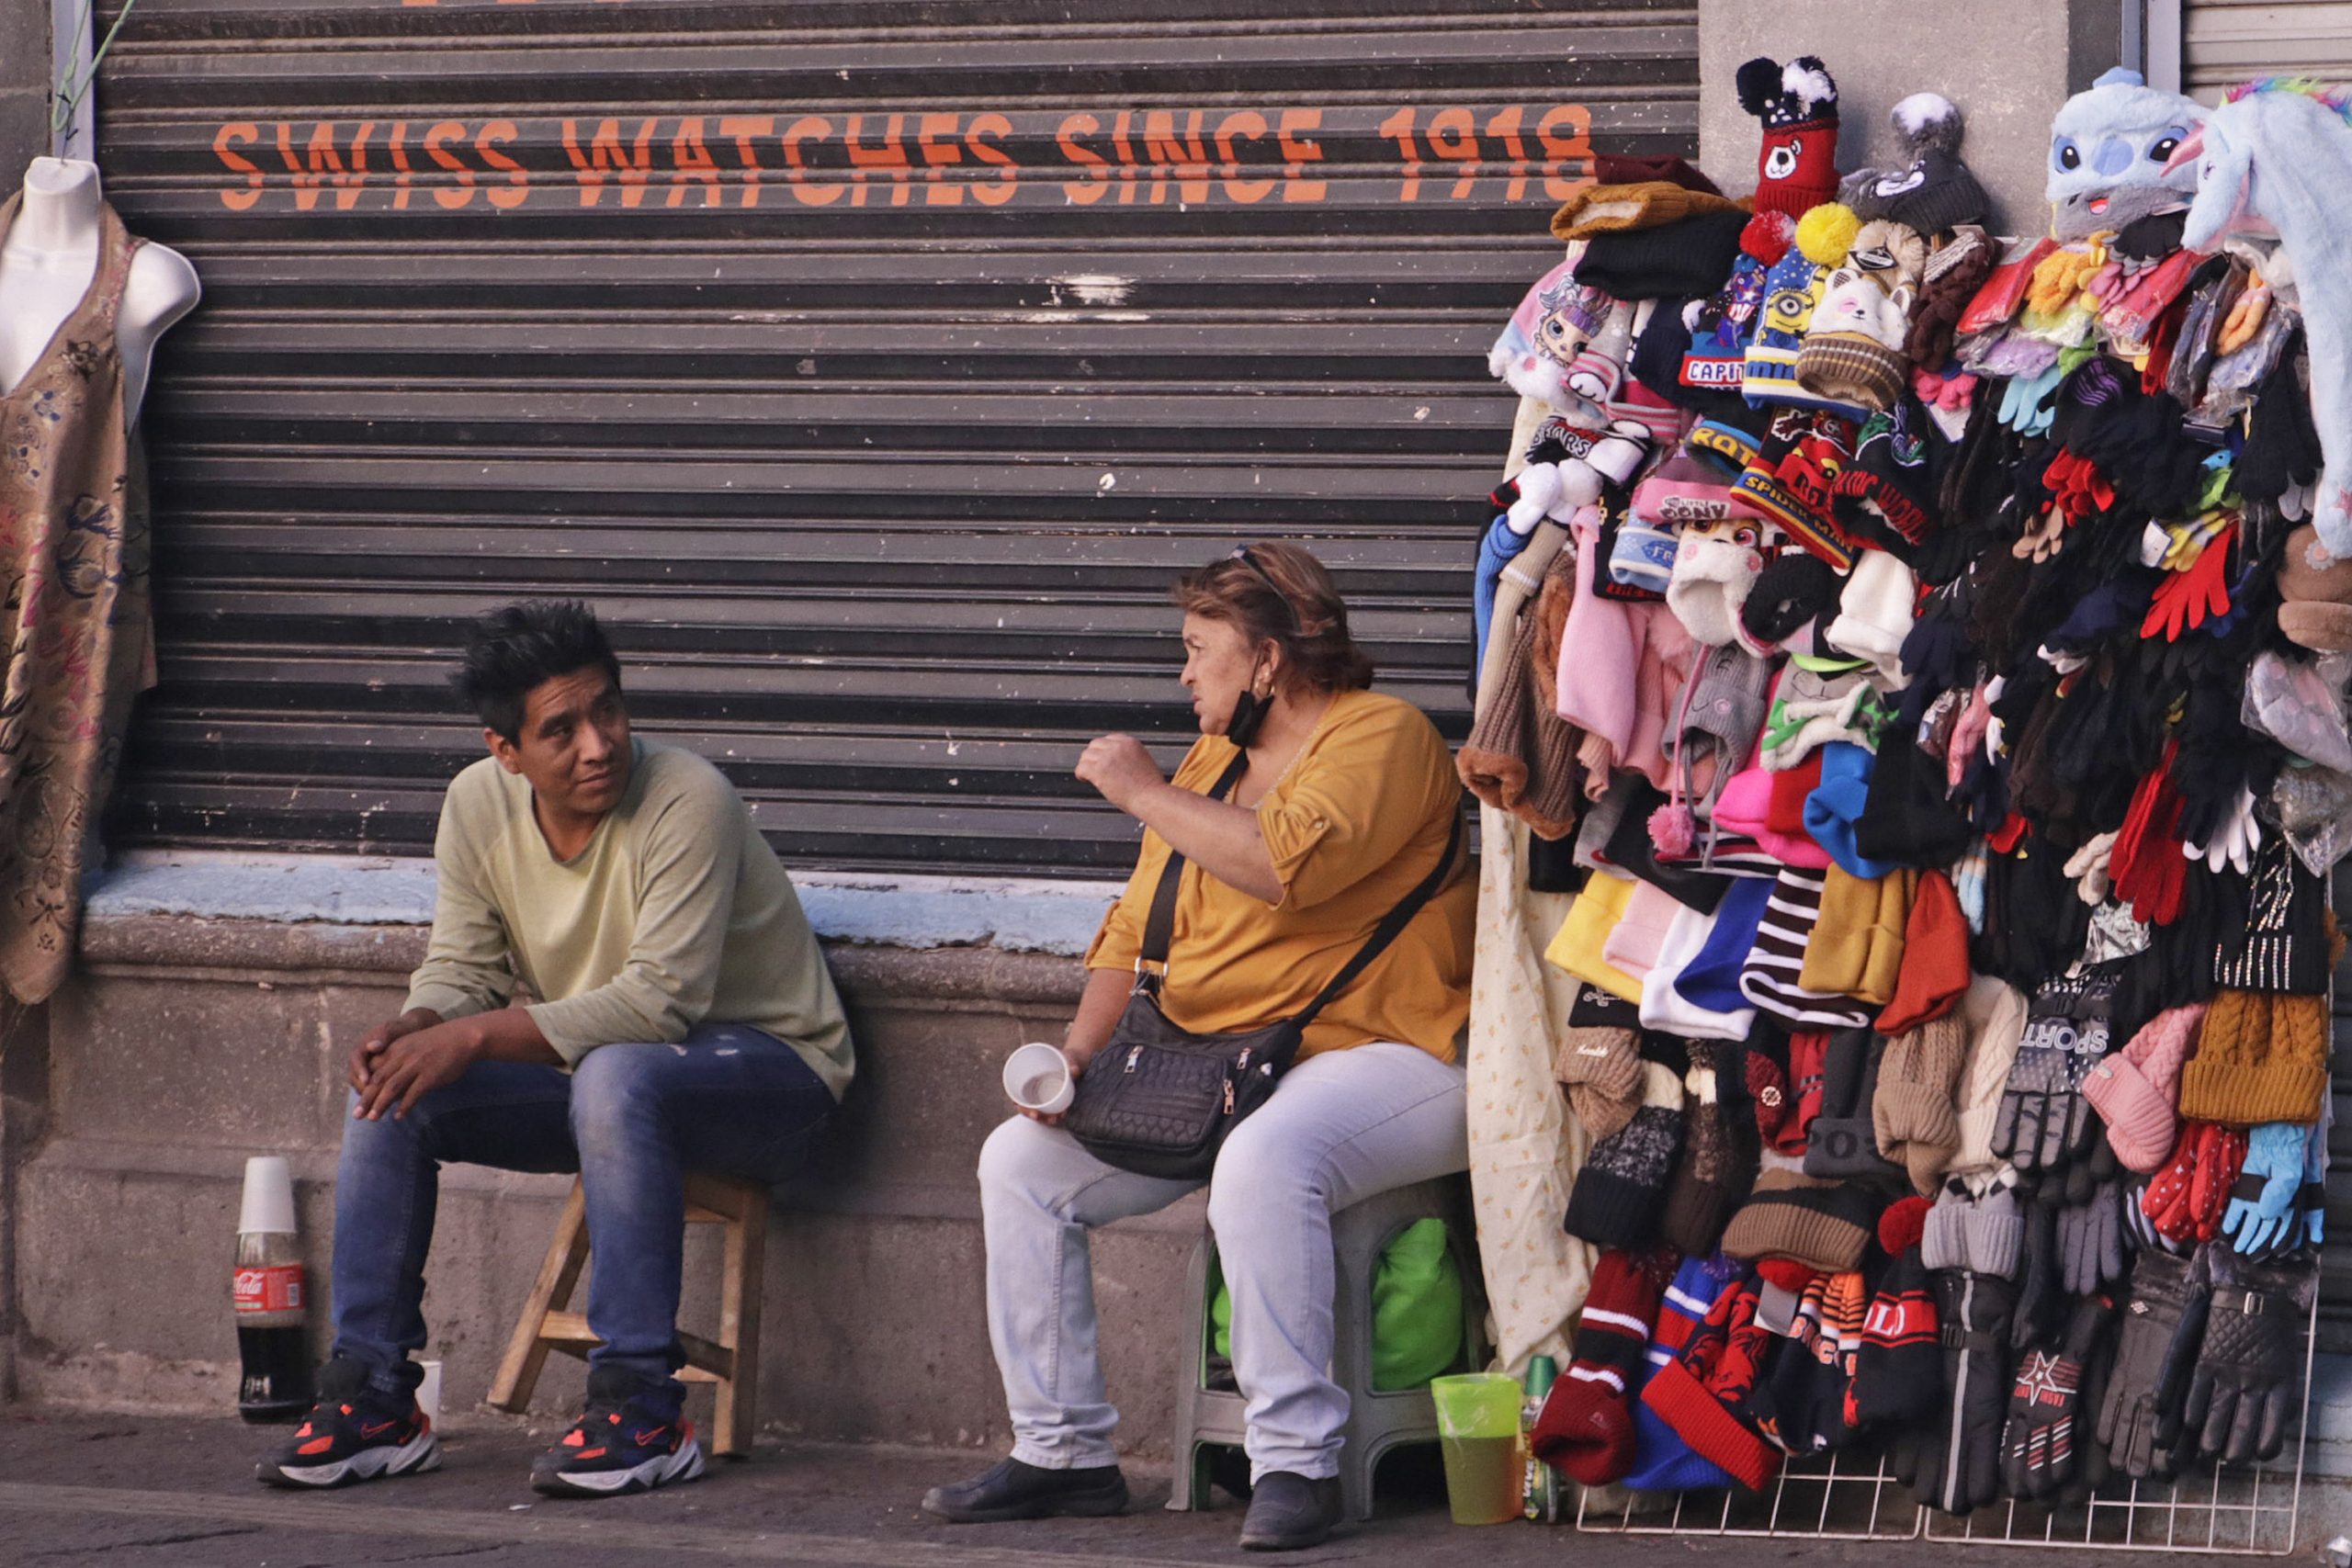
<point>268,1297</point>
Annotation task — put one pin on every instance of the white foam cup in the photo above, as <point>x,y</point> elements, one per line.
<point>1037,1077</point>
<point>269,1206</point>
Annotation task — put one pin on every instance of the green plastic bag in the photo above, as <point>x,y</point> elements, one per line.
<point>1416,1310</point>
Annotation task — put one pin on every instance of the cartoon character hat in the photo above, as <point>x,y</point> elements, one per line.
<point>1547,351</point>
<point>1935,193</point>
<point>1797,166</point>
<point>2108,145</point>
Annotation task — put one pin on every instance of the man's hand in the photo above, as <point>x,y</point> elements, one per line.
<point>363,1054</point>
<point>417,1062</point>
<point>1119,767</point>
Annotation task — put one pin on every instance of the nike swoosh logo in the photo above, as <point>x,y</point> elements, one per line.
<point>644,1438</point>
<point>377,1429</point>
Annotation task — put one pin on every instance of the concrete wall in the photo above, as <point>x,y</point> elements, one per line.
<point>2006,63</point>
<point>185,1046</point>
<point>24,86</point>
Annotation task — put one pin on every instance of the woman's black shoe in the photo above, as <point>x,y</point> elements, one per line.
<point>1016,1491</point>
<point>1290,1513</point>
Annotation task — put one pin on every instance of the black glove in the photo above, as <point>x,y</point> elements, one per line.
<point>2090,1239</point>
<point>1958,1465</point>
<point>2037,1453</point>
<point>2044,1120</point>
<point>2164,1319</point>
<point>2244,1386</point>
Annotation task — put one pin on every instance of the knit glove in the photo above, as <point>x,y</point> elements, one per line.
<point>2044,1120</point>
<point>2185,1199</point>
<point>2243,1388</point>
<point>2261,1212</point>
<point>2164,1320</point>
<point>2038,1452</point>
<point>2090,1240</point>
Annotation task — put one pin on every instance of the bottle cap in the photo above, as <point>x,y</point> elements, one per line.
<point>1541,1373</point>
<point>268,1208</point>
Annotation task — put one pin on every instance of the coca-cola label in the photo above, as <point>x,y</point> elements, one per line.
<point>277,1288</point>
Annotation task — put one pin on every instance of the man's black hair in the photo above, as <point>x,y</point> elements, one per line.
<point>517,646</point>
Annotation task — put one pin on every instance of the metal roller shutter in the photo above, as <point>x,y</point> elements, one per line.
<point>2224,42</point>
<point>872,364</point>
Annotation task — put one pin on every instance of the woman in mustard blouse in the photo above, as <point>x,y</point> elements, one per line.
<point>1347,803</point>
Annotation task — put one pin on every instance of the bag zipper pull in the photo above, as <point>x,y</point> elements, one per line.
<point>1133,1052</point>
<point>1229,1097</point>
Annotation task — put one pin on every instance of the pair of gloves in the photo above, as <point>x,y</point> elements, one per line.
<point>2046,1121</point>
<point>2206,1362</point>
<point>2186,1201</point>
<point>2278,1202</point>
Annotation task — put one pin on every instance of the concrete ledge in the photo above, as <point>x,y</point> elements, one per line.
<point>1012,914</point>
<point>184,1043</point>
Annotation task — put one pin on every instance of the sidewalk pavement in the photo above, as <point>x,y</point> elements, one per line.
<point>170,1492</point>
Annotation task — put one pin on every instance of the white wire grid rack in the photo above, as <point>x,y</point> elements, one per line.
<point>2214,1510</point>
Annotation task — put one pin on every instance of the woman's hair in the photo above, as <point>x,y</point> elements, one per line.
<point>1281,594</point>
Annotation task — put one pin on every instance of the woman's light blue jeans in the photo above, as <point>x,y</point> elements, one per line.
<point>1340,1127</point>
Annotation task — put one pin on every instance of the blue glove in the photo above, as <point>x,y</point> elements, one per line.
<point>2313,1196</point>
<point>2023,401</point>
<point>2261,1203</point>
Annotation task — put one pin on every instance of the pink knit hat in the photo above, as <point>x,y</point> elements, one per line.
<point>2136,1091</point>
<point>1744,808</point>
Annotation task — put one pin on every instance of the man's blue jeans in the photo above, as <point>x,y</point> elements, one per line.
<point>631,1119</point>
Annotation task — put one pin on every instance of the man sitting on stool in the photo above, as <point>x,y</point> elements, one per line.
<point>685,1021</point>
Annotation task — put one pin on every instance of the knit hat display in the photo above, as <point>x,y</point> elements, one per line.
<point>1976,1226</point>
<point>1647,204</point>
<point>2136,1091</point>
<point>1672,261</point>
<point>1933,973</point>
<point>1662,1460</point>
<point>1796,167</point>
<point>1825,1225</point>
<point>1992,1018</point>
<point>1856,944</point>
<point>1585,1427</point>
<point>2260,1057</point>
<point>1665,1006</point>
<point>1712,1175</point>
<point>1841,1141</point>
<point>1852,351</point>
<point>1600,1073</point>
<point>1935,192</point>
<point>1769,978</point>
<point>1898,1371</point>
<point>1715,567</point>
<point>1617,1194</point>
<point>1576,946</point>
<point>1915,1112</point>
<point>1693,1392</point>
<point>1875,614</point>
<point>1520,756</point>
<point>1791,291</point>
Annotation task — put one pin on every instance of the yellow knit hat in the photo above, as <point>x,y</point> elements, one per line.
<point>1856,948</point>
<point>2261,1057</point>
<point>1576,947</point>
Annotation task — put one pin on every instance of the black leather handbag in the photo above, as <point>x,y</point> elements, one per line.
<point>1160,1100</point>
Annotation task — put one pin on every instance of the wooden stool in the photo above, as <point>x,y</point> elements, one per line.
<point>733,1361</point>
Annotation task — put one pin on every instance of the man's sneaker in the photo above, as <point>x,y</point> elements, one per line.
<point>631,1437</point>
<point>354,1433</point>
<point>1013,1490</point>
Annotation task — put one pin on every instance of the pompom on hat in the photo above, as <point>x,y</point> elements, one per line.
<point>1934,193</point>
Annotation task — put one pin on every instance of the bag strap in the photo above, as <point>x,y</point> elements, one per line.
<point>1159,926</point>
<point>1391,925</point>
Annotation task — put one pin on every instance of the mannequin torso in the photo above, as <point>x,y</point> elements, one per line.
<point>48,260</point>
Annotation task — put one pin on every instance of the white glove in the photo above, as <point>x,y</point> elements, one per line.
<point>2234,841</point>
<point>2088,866</point>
